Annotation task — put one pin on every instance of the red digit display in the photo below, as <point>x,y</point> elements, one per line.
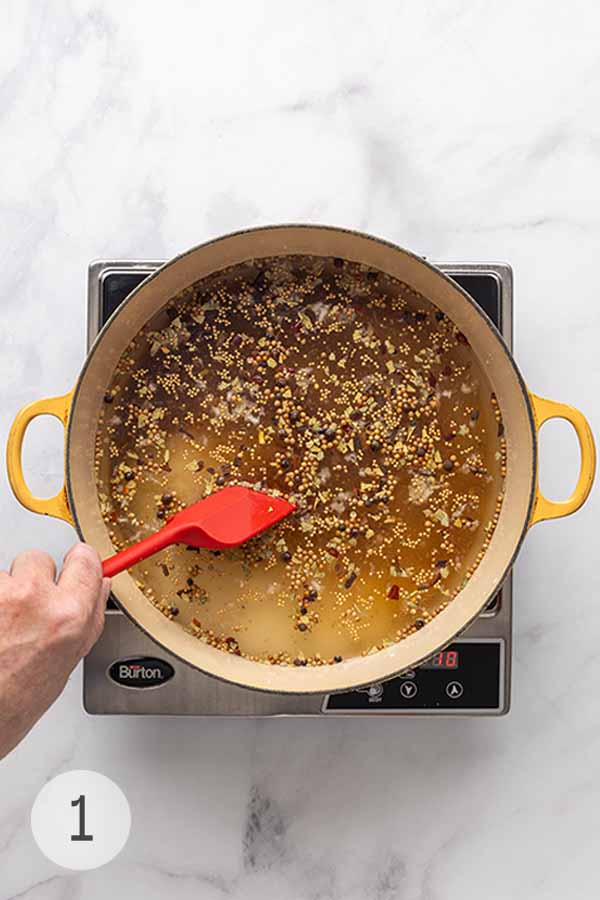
<point>446,659</point>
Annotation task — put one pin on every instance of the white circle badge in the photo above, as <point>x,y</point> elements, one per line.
<point>81,820</point>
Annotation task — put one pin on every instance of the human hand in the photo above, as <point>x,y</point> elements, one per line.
<point>46,627</point>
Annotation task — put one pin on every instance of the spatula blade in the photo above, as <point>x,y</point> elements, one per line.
<point>229,517</point>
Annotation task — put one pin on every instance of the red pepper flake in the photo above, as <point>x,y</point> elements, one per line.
<point>333,552</point>
<point>394,592</point>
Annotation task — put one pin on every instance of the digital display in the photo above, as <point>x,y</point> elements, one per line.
<point>446,659</point>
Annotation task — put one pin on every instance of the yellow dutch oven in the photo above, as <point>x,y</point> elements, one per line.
<point>523,414</point>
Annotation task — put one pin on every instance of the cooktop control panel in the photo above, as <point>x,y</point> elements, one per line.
<point>464,677</point>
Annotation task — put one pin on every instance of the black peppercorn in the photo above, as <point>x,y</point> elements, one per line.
<point>260,282</point>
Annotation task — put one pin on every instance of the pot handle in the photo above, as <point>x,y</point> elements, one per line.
<point>555,509</point>
<point>56,506</point>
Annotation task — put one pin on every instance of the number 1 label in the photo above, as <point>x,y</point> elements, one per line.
<point>81,836</point>
<point>80,820</point>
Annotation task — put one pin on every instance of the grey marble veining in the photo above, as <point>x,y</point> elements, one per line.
<point>459,129</point>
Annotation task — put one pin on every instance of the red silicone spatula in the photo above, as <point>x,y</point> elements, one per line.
<point>225,519</point>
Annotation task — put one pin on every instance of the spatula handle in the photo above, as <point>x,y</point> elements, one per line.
<point>136,553</point>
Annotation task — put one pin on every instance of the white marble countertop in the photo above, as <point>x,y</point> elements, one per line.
<point>463,130</point>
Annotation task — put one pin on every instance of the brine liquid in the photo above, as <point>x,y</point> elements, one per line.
<point>339,388</point>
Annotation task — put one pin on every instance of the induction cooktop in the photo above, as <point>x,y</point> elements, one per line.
<point>126,673</point>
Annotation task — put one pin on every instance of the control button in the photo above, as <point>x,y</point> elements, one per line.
<point>410,674</point>
<point>408,689</point>
<point>375,692</point>
<point>454,690</point>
